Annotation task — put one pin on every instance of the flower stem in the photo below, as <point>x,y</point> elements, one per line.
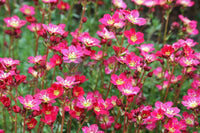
<point>63,111</point>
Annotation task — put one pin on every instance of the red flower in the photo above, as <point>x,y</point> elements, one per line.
<point>5,101</point>
<point>31,123</point>
<point>167,50</point>
<point>78,91</point>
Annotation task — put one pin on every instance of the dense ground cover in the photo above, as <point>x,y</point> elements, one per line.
<point>99,66</point>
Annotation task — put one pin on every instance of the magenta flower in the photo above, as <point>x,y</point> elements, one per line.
<point>30,102</point>
<point>55,29</point>
<point>139,2</point>
<point>9,62</point>
<point>37,59</point>
<point>106,121</point>
<point>27,10</point>
<point>133,61</point>
<point>72,54</point>
<point>174,126</point>
<point>109,20</point>
<point>14,22</point>
<point>119,80</point>
<point>110,65</point>
<point>133,17</point>
<point>92,129</point>
<point>134,37</point>
<point>191,102</point>
<point>189,119</point>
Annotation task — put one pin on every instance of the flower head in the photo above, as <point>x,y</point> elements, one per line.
<point>27,10</point>
<point>14,22</point>
<point>30,102</point>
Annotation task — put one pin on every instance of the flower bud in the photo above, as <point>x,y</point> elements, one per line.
<point>117,126</point>
<point>16,109</point>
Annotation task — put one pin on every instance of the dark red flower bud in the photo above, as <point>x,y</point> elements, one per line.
<point>16,109</point>
<point>119,102</point>
<point>31,19</point>
<point>65,34</point>
<point>84,19</point>
<point>103,41</point>
<point>129,116</point>
<point>150,74</point>
<point>117,126</point>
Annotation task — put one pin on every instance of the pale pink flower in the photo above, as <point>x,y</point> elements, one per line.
<point>191,102</point>
<point>9,62</point>
<point>30,102</point>
<point>68,82</point>
<point>128,89</point>
<point>185,3</point>
<point>34,27</point>
<point>188,61</point>
<point>44,96</point>
<point>89,41</point>
<point>86,103</point>
<point>133,17</point>
<point>146,48</point>
<point>27,10</point>
<point>14,22</point>
<point>105,34</point>
<point>37,59</point>
<point>34,73</point>
<point>97,56</point>
<point>139,2</point>
<point>72,54</point>
<point>49,1</point>
<point>119,4</point>
<point>92,129</point>
<point>55,29</point>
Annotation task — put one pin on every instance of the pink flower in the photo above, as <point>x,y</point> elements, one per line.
<point>68,82</point>
<point>128,89</point>
<point>105,34</point>
<point>191,102</point>
<point>134,37</point>
<point>191,25</point>
<point>97,56</point>
<point>174,126</point>
<point>92,129</point>
<point>27,10</point>
<point>146,48</point>
<point>30,102</point>
<point>110,65</point>
<point>44,96</point>
<point>139,2</point>
<point>158,114</point>
<point>133,61</point>
<point>189,119</point>
<point>54,29</point>
<point>14,22</point>
<point>37,59</point>
<point>86,103</point>
<point>106,121</point>
<point>34,73</point>
<point>114,20</point>
<point>89,41</point>
<point>9,62</point>
<point>185,3</point>
<point>72,54</point>
<point>133,17</point>
<point>119,80</point>
<point>119,4</point>
<point>188,61</point>
<point>34,27</point>
<point>49,1</point>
